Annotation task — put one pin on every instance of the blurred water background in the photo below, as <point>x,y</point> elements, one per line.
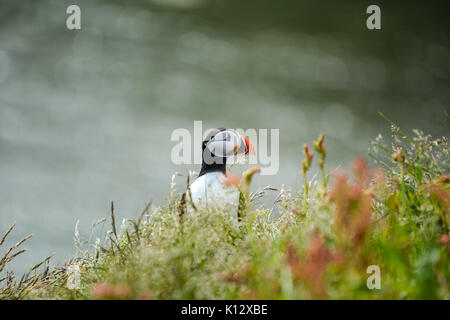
<point>86,116</point>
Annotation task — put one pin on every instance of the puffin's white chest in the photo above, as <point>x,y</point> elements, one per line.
<point>210,189</point>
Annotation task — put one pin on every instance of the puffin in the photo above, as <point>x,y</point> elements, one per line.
<point>212,187</point>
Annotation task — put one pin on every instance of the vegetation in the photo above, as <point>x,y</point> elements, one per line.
<point>316,243</point>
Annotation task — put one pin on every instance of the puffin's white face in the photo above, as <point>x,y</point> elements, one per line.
<point>228,143</point>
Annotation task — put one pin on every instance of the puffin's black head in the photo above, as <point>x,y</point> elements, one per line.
<point>218,145</point>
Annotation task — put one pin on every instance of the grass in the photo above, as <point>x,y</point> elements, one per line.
<point>315,243</point>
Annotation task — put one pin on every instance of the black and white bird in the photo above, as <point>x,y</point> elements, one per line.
<point>211,187</point>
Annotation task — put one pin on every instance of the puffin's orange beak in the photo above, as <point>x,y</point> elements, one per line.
<point>245,148</point>
<point>249,148</point>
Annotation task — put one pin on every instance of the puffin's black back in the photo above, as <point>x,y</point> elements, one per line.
<point>215,163</point>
